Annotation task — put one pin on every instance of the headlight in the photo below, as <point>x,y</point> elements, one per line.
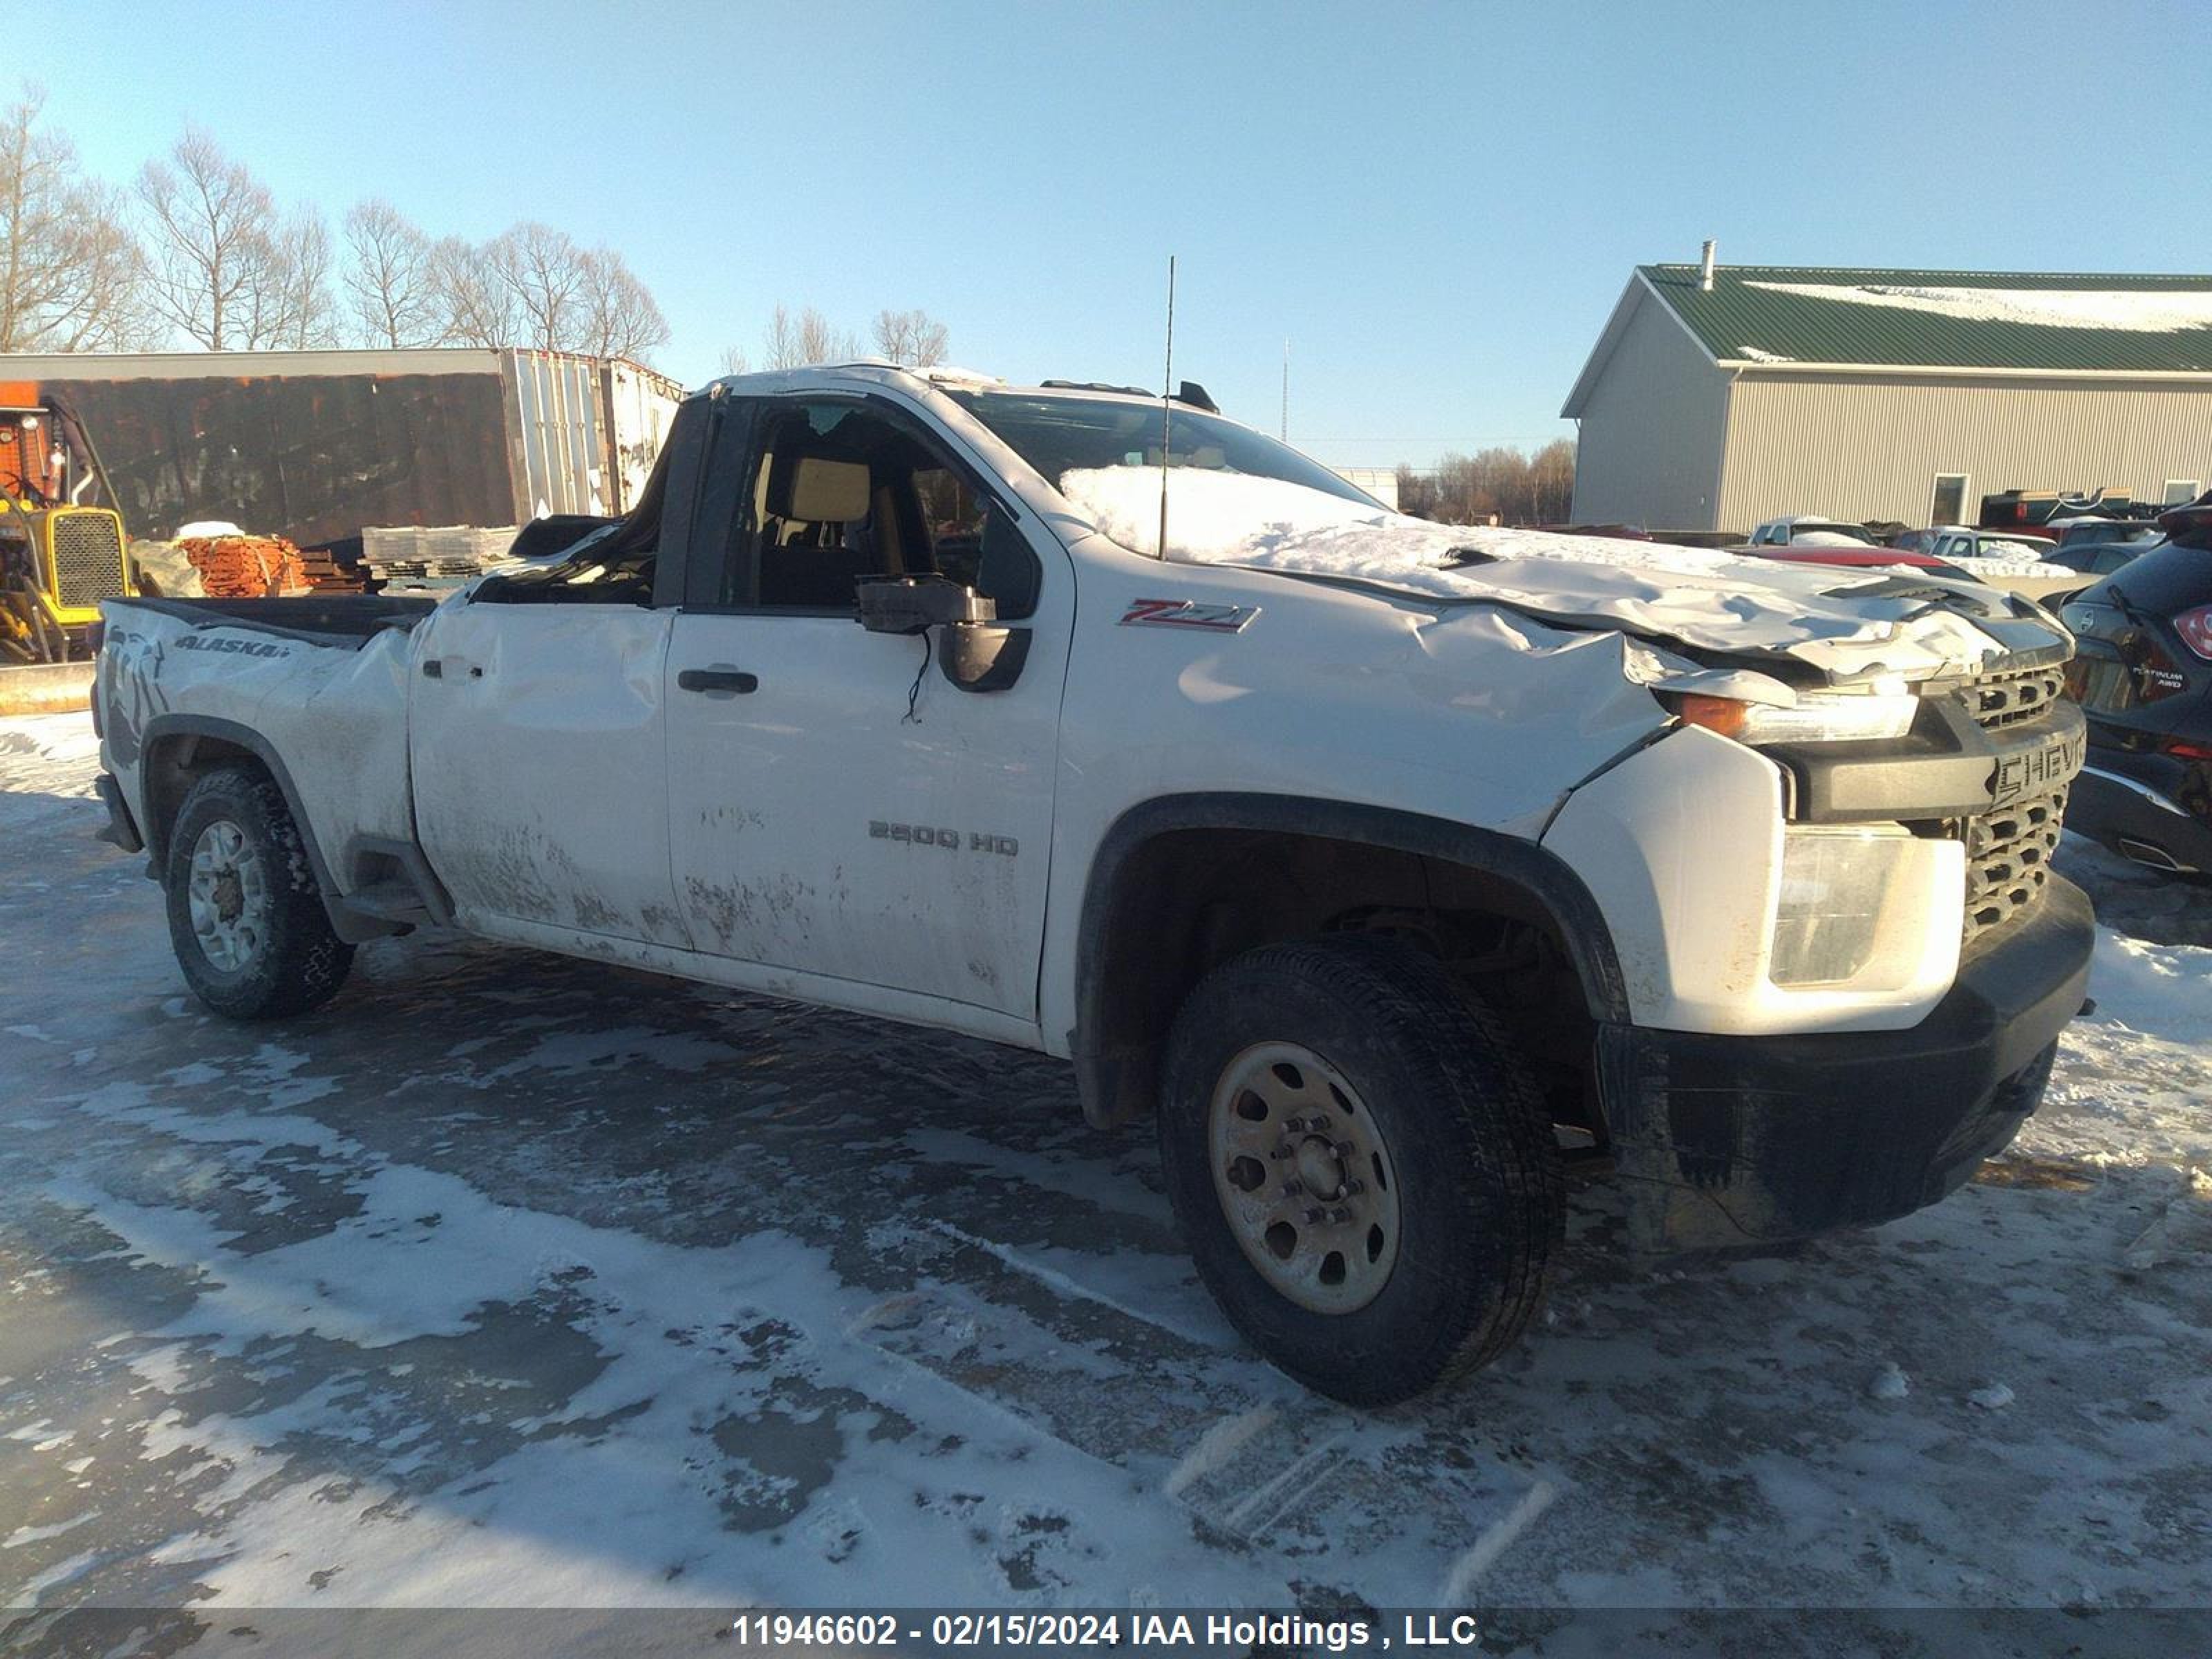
<point>1818,717</point>
<point>1833,883</point>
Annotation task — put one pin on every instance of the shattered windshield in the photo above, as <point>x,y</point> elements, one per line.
<point>1058,435</point>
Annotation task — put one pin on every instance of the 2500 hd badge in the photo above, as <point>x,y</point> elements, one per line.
<point>923,835</point>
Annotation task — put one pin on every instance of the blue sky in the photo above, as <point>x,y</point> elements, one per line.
<point>1435,204</point>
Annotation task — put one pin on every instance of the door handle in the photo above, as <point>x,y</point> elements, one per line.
<point>719,681</point>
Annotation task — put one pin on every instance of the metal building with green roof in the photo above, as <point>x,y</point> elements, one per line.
<point>1719,396</point>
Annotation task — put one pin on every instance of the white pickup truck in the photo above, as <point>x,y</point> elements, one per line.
<point>1392,868</point>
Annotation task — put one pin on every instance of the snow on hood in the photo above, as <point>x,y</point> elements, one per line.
<point>1990,566</point>
<point>1848,623</point>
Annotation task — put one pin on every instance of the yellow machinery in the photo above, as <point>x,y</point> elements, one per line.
<point>61,551</point>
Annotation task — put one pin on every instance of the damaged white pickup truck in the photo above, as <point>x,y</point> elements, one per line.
<point>1391,867</point>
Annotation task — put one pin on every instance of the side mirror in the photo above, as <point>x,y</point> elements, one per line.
<point>915,604</point>
<point>973,653</point>
<point>978,657</point>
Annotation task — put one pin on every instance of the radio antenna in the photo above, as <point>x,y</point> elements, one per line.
<point>1167,412</point>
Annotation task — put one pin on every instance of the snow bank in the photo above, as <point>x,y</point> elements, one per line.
<point>2167,989</point>
<point>2135,311</point>
<point>1825,616</point>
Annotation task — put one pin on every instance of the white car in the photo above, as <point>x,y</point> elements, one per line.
<point>1959,541</point>
<point>2020,564</point>
<point>1807,530</point>
<point>1382,864</point>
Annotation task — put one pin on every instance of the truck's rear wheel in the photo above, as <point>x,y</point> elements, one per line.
<point>245,918</point>
<point>1363,1167</point>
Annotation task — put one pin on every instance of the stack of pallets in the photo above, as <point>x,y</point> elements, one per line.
<point>246,566</point>
<point>326,574</point>
<point>416,556</point>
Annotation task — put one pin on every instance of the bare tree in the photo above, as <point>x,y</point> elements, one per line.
<point>780,346</point>
<point>794,341</point>
<point>388,277</point>
<point>212,225</point>
<point>735,361</point>
<point>542,271</point>
<point>1500,482</point>
<point>819,342</point>
<point>297,275</point>
<point>620,318</point>
<point>912,337</point>
<point>1551,483</point>
<point>1417,492</point>
<point>70,271</point>
<point>473,305</point>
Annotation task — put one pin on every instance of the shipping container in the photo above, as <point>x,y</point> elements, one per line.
<point>317,445</point>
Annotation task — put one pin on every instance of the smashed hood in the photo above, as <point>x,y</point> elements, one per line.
<point>1848,624</point>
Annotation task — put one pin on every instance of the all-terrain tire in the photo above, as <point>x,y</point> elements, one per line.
<point>1479,1191</point>
<point>295,961</point>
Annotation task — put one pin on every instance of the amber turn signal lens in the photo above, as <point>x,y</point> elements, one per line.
<point>1722,714</point>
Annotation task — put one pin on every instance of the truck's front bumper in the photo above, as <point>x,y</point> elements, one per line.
<point>1735,1139</point>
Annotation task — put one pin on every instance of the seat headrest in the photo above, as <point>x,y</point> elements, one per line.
<point>824,491</point>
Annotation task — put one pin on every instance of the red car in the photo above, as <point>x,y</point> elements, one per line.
<point>1864,558</point>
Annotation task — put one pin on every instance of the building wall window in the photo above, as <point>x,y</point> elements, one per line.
<point>2178,490</point>
<point>1947,500</point>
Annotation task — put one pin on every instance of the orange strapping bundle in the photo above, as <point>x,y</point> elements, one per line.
<point>246,566</point>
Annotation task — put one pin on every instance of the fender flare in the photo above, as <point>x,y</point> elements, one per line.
<point>1117,1079</point>
<point>165,730</point>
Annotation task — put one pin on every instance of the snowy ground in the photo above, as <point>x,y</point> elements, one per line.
<point>513,1281</point>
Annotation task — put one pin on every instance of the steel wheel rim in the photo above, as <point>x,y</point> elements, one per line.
<point>1303,1177</point>
<point>226,894</point>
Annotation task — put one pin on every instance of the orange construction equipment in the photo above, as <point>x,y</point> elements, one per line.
<point>61,543</point>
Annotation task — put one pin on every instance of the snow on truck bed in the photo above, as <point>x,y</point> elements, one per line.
<point>1834,620</point>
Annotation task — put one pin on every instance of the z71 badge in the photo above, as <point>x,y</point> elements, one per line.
<point>1188,613</point>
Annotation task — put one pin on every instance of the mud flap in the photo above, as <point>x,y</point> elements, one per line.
<point>120,830</point>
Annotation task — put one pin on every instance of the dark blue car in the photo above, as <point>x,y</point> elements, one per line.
<point>2142,674</point>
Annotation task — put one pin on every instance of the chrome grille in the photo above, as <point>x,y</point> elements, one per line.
<point>88,558</point>
<point>2009,859</point>
<point>2009,848</point>
<point>2024,694</point>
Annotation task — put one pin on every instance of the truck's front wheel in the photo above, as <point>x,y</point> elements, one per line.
<point>246,917</point>
<point>1363,1167</point>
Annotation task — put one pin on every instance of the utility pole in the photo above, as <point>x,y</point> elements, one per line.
<point>1167,410</point>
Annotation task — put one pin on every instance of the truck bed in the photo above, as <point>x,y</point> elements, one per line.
<point>315,689</point>
<point>339,619</point>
